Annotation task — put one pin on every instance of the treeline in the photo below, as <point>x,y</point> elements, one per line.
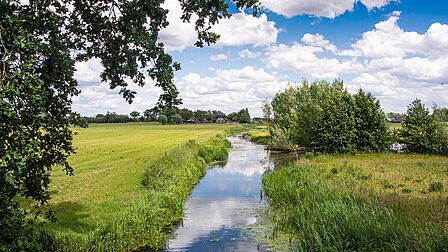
<point>325,117</point>
<point>173,116</point>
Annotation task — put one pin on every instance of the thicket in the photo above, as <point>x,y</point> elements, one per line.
<point>422,132</point>
<point>325,117</point>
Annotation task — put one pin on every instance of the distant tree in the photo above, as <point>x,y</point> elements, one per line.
<point>420,131</point>
<point>244,116</point>
<point>186,114</point>
<point>440,114</point>
<point>233,116</point>
<point>134,114</point>
<point>177,119</point>
<point>150,114</point>
<point>267,110</point>
<point>162,119</point>
<point>217,114</point>
<point>371,126</point>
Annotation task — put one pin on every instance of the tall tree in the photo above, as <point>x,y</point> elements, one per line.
<point>421,133</point>
<point>40,41</point>
<point>371,126</point>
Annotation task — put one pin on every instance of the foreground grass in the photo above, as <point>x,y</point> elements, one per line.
<point>106,190</point>
<point>382,202</point>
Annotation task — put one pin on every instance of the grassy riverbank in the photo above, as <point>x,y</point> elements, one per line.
<point>105,206</point>
<point>362,202</point>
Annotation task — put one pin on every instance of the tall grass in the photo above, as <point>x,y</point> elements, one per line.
<point>321,217</point>
<point>148,222</point>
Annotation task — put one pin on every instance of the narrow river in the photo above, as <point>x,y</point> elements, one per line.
<point>226,201</point>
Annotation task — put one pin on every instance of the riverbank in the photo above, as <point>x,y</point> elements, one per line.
<point>364,202</point>
<point>105,205</point>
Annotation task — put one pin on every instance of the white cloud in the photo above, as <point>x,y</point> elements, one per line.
<point>318,40</point>
<point>178,35</point>
<point>248,54</point>
<point>230,89</point>
<point>319,8</point>
<point>218,57</point>
<point>395,65</point>
<point>243,29</point>
<point>306,61</point>
<point>240,29</point>
<point>389,40</point>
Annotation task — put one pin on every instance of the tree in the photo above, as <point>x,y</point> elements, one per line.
<point>371,126</point>
<point>134,114</point>
<point>267,110</point>
<point>244,116</point>
<point>186,114</point>
<point>421,133</point>
<point>40,42</point>
<point>162,119</point>
<point>177,119</point>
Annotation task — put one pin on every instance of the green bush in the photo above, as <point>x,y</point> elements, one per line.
<point>421,132</point>
<point>325,117</point>
<point>435,186</point>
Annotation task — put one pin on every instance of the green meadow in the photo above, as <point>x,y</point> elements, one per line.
<point>363,202</point>
<point>109,168</point>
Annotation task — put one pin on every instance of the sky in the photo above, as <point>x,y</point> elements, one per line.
<point>397,50</point>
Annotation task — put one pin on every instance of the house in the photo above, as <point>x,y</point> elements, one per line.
<point>221,120</point>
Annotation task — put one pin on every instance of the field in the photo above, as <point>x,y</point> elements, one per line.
<point>109,167</point>
<point>372,201</point>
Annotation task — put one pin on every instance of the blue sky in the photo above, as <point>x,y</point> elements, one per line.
<point>398,50</point>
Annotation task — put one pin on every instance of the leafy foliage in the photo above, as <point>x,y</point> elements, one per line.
<point>324,117</point>
<point>40,42</point>
<point>421,132</point>
<point>371,126</point>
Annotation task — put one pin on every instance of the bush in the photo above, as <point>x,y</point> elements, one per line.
<point>324,117</point>
<point>162,119</point>
<point>435,186</point>
<point>421,133</point>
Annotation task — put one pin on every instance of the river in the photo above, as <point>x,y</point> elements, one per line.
<point>227,200</point>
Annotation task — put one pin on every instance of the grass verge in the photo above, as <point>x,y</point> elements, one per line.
<point>147,223</point>
<point>259,134</point>
<point>342,202</point>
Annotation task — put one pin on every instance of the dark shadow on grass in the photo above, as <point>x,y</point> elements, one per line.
<point>71,216</point>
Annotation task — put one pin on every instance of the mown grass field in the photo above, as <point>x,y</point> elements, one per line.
<point>363,202</point>
<point>109,167</point>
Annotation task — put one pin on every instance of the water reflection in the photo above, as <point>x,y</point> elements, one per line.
<point>226,200</point>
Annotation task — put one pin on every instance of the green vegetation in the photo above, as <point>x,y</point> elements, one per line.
<point>422,132</point>
<point>364,202</point>
<point>324,117</point>
<point>39,40</point>
<point>260,134</point>
<point>106,194</point>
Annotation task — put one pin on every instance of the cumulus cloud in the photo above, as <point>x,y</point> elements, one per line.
<point>319,8</point>
<point>308,63</point>
<point>230,89</point>
<point>318,40</point>
<point>240,29</point>
<point>218,57</point>
<point>244,29</point>
<point>394,64</point>
<point>389,40</point>
<point>248,54</point>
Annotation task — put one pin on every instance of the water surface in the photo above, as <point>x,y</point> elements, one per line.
<point>226,201</point>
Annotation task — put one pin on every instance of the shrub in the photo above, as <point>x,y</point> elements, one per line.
<point>162,119</point>
<point>421,133</point>
<point>435,186</point>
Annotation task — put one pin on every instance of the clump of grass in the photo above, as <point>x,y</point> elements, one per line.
<point>322,217</point>
<point>435,186</point>
<point>259,135</point>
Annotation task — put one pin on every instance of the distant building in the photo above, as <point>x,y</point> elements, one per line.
<point>221,120</point>
<point>259,119</point>
<point>397,119</point>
